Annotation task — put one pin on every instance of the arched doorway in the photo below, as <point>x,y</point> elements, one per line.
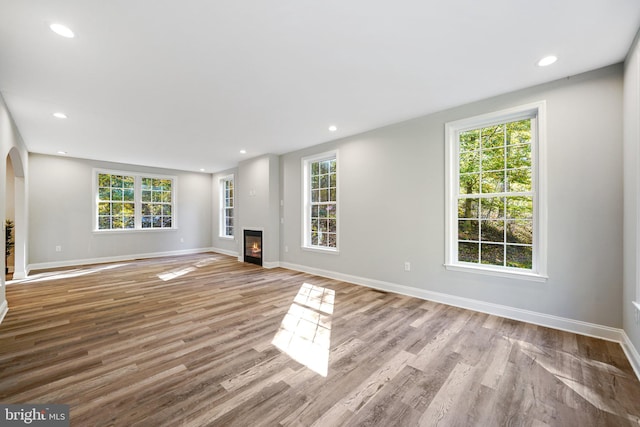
<point>16,211</point>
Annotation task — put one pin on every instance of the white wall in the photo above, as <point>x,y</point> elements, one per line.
<point>11,141</point>
<point>257,198</point>
<point>392,204</point>
<point>631,200</point>
<point>61,214</point>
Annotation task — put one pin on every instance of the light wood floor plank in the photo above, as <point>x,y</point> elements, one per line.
<point>190,341</point>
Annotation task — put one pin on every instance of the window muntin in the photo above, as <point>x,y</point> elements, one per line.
<point>156,202</point>
<point>126,201</point>
<point>495,195</point>
<point>321,207</point>
<point>116,201</point>
<point>227,227</point>
<point>496,210</point>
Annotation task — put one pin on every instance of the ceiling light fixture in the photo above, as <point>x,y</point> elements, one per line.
<point>547,60</point>
<point>243,151</point>
<point>332,128</point>
<point>62,153</point>
<point>62,30</point>
<point>201,169</point>
<point>59,115</point>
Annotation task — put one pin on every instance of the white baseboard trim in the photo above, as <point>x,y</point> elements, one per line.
<point>225,252</point>
<point>541,319</point>
<point>632,353</point>
<point>20,275</point>
<point>270,265</point>
<point>102,260</point>
<point>265,264</point>
<point>4,308</point>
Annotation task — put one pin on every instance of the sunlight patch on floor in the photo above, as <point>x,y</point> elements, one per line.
<point>205,262</point>
<point>181,272</point>
<point>169,275</point>
<point>66,274</point>
<point>305,331</point>
<point>549,362</point>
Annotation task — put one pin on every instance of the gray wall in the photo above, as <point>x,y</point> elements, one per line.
<point>392,204</point>
<point>631,171</point>
<point>61,201</point>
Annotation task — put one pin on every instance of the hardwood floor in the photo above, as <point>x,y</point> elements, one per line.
<point>205,340</point>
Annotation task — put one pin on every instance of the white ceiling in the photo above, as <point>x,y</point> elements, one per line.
<point>187,84</point>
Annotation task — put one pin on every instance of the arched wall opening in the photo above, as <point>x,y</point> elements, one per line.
<point>16,211</point>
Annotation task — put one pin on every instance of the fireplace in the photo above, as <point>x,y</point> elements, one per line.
<point>253,246</point>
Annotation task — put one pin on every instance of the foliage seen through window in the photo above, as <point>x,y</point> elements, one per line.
<point>495,196</point>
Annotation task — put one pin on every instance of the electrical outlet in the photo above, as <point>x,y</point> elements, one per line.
<point>407,266</point>
<point>286,248</point>
<point>58,248</point>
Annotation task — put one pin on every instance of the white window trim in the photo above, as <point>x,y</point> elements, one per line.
<point>635,122</point>
<point>137,201</point>
<point>306,203</point>
<point>535,110</point>
<point>221,223</point>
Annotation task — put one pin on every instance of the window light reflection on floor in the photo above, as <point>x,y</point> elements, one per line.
<point>176,273</point>
<point>182,271</point>
<point>65,274</point>
<point>305,331</point>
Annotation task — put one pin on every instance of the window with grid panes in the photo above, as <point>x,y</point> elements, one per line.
<point>116,201</point>
<point>156,202</point>
<point>128,201</point>
<point>495,200</point>
<point>227,204</point>
<point>321,220</point>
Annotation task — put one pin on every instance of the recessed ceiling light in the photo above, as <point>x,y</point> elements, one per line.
<point>547,60</point>
<point>59,115</point>
<point>332,128</point>
<point>243,151</point>
<point>62,30</point>
<point>62,152</point>
<point>201,169</point>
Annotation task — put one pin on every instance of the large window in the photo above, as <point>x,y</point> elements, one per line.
<point>321,202</point>
<point>227,207</point>
<point>116,201</point>
<point>157,202</point>
<point>495,204</point>
<point>126,201</point>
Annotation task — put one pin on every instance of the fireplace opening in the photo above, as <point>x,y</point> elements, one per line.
<point>253,247</point>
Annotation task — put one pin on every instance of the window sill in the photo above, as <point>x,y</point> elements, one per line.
<point>132,230</point>
<point>521,275</point>
<point>227,237</point>
<point>321,250</point>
